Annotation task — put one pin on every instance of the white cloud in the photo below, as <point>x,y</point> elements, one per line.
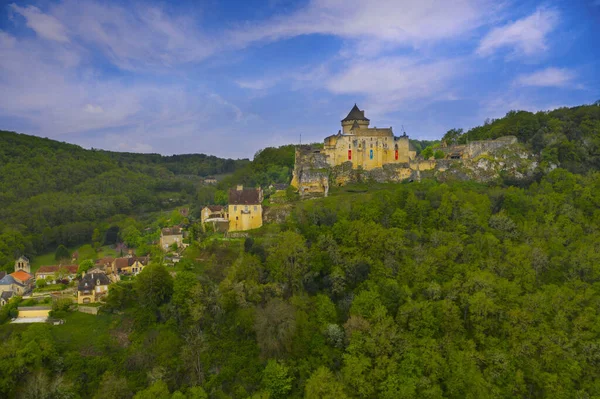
<point>45,26</point>
<point>549,77</point>
<point>94,109</point>
<point>136,37</point>
<point>527,36</point>
<point>393,21</point>
<point>390,82</point>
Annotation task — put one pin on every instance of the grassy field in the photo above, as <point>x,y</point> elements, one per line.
<point>83,330</point>
<point>85,252</point>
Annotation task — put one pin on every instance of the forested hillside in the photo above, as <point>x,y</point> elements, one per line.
<point>565,137</point>
<point>55,193</point>
<point>420,290</point>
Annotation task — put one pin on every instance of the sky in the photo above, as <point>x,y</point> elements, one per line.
<point>228,78</point>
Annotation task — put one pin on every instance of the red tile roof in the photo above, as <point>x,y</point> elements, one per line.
<point>21,275</point>
<point>71,269</point>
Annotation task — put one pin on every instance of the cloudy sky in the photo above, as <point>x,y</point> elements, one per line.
<point>230,77</point>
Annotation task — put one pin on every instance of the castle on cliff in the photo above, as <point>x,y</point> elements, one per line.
<point>358,152</point>
<point>364,146</point>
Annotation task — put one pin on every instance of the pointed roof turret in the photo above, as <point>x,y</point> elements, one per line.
<point>355,114</point>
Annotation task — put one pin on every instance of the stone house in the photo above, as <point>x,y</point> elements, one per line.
<point>170,236</point>
<point>92,288</point>
<point>5,297</point>
<point>245,208</point>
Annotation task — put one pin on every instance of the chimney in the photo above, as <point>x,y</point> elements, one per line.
<point>239,187</point>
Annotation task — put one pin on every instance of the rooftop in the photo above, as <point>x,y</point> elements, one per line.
<point>245,196</point>
<point>355,114</point>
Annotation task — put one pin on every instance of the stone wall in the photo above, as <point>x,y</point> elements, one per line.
<point>88,309</point>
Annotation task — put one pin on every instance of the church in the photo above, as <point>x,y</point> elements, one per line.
<point>364,146</point>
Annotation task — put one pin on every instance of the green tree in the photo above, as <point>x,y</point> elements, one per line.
<point>276,379</point>
<point>287,260</point>
<point>322,384</point>
<point>153,286</point>
<point>158,390</point>
<point>62,254</point>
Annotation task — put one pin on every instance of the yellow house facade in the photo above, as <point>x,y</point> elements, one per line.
<point>245,208</point>
<point>366,147</point>
<point>92,288</point>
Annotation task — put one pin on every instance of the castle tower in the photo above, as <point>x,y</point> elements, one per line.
<point>22,264</point>
<point>355,118</point>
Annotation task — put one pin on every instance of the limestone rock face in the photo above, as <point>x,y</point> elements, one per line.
<point>311,172</point>
<point>499,160</point>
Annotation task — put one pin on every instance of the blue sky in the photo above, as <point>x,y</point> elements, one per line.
<point>228,78</point>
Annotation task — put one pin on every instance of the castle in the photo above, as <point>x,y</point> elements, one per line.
<point>364,146</point>
<point>360,153</point>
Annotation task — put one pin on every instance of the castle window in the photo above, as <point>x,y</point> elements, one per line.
<point>349,146</point>
<point>255,208</point>
<point>235,208</point>
<point>371,145</point>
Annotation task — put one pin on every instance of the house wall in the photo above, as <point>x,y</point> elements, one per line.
<point>34,313</point>
<point>245,217</point>
<point>166,241</point>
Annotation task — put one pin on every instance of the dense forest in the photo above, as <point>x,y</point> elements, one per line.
<point>414,290</point>
<point>420,290</point>
<point>54,193</point>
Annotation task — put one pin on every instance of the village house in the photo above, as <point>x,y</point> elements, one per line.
<point>92,288</point>
<point>170,236</point>
<point>5,297</point>
<point>245,208</point>
<point>129,265</point>
<point>57,272</point>
<point>104,264</point>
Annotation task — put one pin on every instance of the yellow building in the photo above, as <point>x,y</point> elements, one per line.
<point>366,147</point>
<point>245,208</point>
<point>92,287</point>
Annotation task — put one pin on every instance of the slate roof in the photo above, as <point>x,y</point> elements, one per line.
<point>355,114</point>
<point>7,280</point>
<point>72,269</point>
<point>6,295</point>
<point>215,208</point>
<point>245,196</point>
<point>89,281</point>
